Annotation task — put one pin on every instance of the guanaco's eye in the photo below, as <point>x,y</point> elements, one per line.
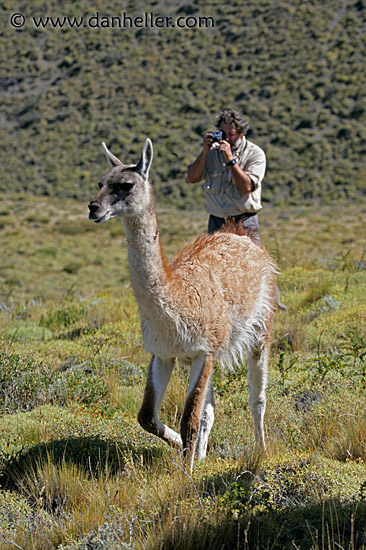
<point>100,185</point>
<point>125,186</point>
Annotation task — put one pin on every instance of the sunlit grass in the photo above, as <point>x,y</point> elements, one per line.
<point>76,467</point>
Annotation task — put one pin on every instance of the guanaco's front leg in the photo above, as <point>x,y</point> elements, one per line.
<point>157,381</point>
<point>194,407</point>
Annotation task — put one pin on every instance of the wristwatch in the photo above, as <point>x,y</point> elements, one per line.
<point>231,162</point>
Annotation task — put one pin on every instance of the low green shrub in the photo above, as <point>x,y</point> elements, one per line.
<point>25,384</point>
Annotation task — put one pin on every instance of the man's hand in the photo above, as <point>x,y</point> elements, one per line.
<point>225,147</point>
<point>207,141</point>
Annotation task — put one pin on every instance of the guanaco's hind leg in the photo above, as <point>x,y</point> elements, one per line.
<point>195,407</point>
<point>257,377</point>
<point>157,380</point>
<point>207,420</point>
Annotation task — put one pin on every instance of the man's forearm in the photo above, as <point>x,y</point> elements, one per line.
<point>241,179</point>
<point>195,170</point>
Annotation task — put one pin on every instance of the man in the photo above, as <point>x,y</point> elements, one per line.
<point>233,169</point>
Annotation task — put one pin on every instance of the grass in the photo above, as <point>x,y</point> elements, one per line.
<point>76,470</point>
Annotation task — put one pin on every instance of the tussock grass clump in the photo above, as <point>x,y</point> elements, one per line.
<point>341,435</point>
<point>75,502</point>
<point>292,333</point>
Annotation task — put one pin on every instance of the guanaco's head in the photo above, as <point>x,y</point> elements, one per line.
<point>124,191</point>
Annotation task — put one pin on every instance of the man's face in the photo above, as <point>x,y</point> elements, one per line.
<point>232,134</point>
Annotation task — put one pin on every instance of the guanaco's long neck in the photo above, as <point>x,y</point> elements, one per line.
<point>147,263</point>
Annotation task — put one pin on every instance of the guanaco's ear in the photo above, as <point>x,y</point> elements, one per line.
<point>143,165</point>
<point>112,160</point>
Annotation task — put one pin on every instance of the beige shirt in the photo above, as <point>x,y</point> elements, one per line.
<point>223,198</point>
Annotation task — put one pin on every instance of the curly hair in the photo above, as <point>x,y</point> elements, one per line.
<point>227,116</point>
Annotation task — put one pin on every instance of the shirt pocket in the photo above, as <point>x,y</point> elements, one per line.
<point>214,181</point>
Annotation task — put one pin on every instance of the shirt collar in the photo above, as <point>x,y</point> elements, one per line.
<point>240,146</point>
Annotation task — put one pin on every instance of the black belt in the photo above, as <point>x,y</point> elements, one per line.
<point>239,217</point>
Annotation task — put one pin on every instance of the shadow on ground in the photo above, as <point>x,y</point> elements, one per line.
<point>331,524</point>
<point>93,454</point>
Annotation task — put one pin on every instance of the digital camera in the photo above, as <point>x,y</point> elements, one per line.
<point>218,136</point>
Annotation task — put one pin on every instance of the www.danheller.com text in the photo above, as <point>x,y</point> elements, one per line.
<point>122,21</point>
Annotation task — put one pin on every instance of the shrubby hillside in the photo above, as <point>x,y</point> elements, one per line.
<point>295,69</point>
